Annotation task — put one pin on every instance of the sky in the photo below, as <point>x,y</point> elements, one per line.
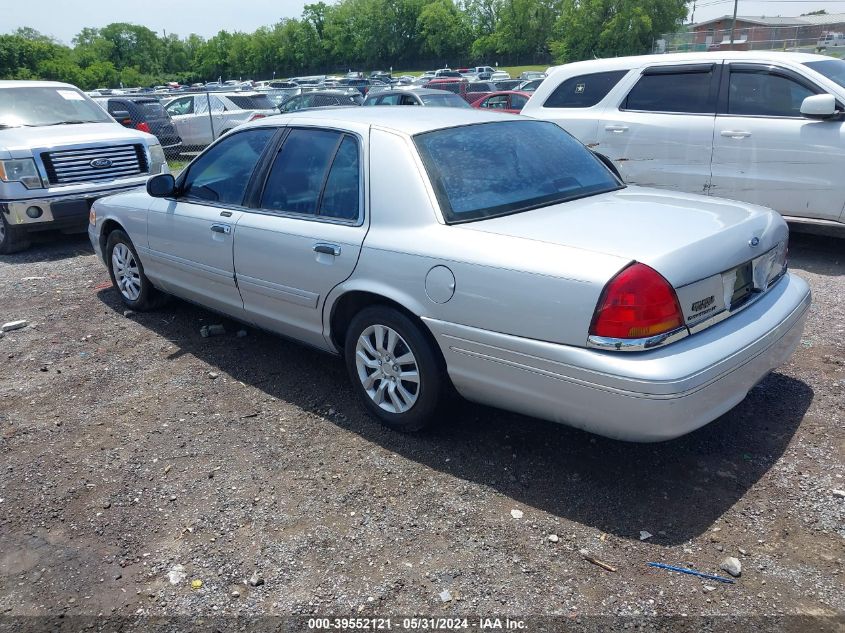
<point>63,19</point>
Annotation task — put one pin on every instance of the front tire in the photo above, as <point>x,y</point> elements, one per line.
<point>127,274</point>
<point>394,368</point>
<point>12,239</point>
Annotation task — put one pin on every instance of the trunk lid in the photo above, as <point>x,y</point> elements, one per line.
<point>685,237</point>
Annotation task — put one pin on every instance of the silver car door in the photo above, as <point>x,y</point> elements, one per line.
<point>305,235</point>
<point>191,236</point>
<point>766,153</point>
<point>661,133</point>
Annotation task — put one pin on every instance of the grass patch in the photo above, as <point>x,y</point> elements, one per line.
<point>176,165</point>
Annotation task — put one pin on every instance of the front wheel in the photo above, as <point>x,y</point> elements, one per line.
<point>12,239</point>
<point>394,368</point>
<point>127,274</point>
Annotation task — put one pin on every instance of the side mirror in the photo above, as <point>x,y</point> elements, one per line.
<point>162,186</point>
<point>819,106</point>
<point>121,114</point>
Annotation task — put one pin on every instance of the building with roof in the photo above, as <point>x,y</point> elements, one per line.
<point>764,32</point>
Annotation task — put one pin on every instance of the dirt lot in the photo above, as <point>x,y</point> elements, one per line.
<point>131,445</point>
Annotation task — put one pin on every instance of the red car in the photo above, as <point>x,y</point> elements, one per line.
<point>510,101</point>
<point>469,91</point>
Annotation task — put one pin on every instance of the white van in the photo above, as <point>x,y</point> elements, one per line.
<point>831,40</point>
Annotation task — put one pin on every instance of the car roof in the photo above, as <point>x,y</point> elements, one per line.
<point>417,90</point>
<point>635,61</point>
<point>21,83</point>
<point>406,121</point>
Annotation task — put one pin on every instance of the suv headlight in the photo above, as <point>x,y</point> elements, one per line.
<point>157,159</point>
<point>21,170</point>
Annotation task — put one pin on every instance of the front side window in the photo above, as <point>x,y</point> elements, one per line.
<point>316,172</point>
<point>389,100</point>
<point>682,92</point>
<point>584,91</point>
<point>491,169</point>
<point>765,94</point>
<point>518,102</point>
<point>36,107</point>
<point>499,102</point>
<point>223,172</point>
<point>184,105</point>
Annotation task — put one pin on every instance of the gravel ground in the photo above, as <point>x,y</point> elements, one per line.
<point>148,470</point>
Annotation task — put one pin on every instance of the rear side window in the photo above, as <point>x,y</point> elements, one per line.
<point>316,172</point>
<point>685,92</point>
<point>584,91</point>
<point>451,86</point>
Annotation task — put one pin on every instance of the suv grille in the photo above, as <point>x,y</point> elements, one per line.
<point>75,165</point>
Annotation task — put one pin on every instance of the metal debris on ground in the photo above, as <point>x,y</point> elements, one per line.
<point>212,330</point>
<point>590,559</point>
<point>13,325</point>
<point>692,572</point>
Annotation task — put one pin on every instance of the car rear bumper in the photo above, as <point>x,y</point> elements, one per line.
<point>55,212</point>
<point>644,397</point>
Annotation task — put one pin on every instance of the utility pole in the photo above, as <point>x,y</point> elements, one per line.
<point>733,24</point>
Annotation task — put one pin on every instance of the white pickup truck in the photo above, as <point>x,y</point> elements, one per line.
<point>757,126</point>
<point>60,151</point>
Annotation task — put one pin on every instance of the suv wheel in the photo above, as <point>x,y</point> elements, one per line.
<point>393,368</point>
<point>127,274</point>
<point>12,239</point>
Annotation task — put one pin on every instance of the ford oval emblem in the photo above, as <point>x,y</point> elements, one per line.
<point>754,241</point>
<point>102,163</point>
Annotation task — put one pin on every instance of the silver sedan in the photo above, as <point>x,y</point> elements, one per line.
<point>495,254</point>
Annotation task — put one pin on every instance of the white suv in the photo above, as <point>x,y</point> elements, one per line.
<point>198,128</point>
<point>765,128</point>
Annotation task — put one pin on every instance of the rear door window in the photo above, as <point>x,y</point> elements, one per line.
<point>675,90</point>
<point>299,171</point>
<point>584,91</point>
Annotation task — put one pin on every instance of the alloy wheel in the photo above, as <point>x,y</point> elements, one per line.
<point>126,272</point>
<point>387,369</point>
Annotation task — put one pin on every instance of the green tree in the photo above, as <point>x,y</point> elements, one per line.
<point>443,29</point>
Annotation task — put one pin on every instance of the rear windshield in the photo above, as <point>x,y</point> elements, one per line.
<point>153,109</point>
<point>492,169</point>
<point>833,69</point>
<point>446,100</point>
<point>48,106</point>
<point>252,102</point>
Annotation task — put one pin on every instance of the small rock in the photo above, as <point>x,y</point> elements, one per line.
<point>255,580</point>
<point>743,552</point>
<point>720,548</point>
<point>445,596</point>
<point>212,330</point>
<point>709,588</point>
<point>236,594</point>
<point>554,538</point>
<point>128,313</point>
<point>645,535</point>
<point>213,375</point>
<point>732,566</point>
<point>173,497</point>
<point>13,325</point>
<point>516,514</point>
<point>117,576</point>
<point>176,574</point>
<point>107,505</point>
<point>839,493</point>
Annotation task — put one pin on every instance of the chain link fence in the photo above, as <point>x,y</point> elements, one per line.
<point>805,38</point>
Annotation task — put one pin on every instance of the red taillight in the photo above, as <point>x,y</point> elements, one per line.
<point>256,116</point>
<point>143,127</point>
<point>637,303</point>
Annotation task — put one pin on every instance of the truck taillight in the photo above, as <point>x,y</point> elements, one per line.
<point>143,127</point>
<point>256,116</point>
<point>637,303</point>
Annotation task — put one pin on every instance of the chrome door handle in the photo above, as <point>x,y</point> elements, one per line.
<point>221,228</point>
<point>616,129</point>
<point>328,249</point>
<point>735,133</point>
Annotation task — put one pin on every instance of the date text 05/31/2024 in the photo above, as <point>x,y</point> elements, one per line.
<point>415,623</point>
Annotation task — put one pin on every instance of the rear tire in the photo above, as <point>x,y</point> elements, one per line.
<point>127,274</point>
<point>12,239</point>
<point>394,368</point>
